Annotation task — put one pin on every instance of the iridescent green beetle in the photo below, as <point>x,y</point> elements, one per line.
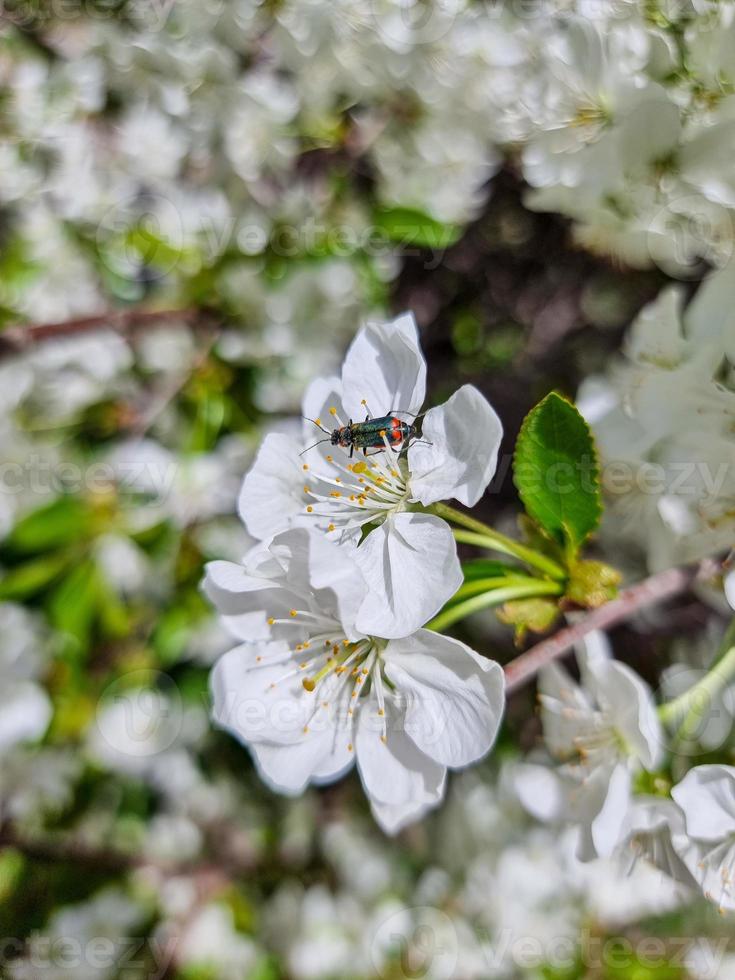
<point>370,434</point>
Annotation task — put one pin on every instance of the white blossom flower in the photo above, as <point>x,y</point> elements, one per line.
<point>212,943</point>
<point>320,693</point>
<point>653,824</point>
<point>25,707</point>
<point>385,493</point>
<point>601,731</point>
<point>706,796</point>
<point>89,940</point>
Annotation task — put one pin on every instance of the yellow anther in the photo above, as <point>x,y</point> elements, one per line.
<point>383,433</point>
<point>337,479</point>
<point>307,490</point>
<point>318,421</point>
<point>292,612</point>
<point>335,493</point>
<point>271,621</point>
<point>359,467</point>
<point>306,729</point>
<point>330,459</point>
<point>381,712</point>
<point>364,670</point>
<point>305,466</point>
<point>345,643</point>
<point>332,410</point>
<point>309,509</point>
<point>383,739</point>
<point>364,401</point>
<point>308,684</point>
<point>349,747</point>
<point>258,659</point>
<point>352,497</point>
<point>330,527</point>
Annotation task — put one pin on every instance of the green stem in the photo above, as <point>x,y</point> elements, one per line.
<point>486,537</point>
<point>690,707</point>
<point>480,585</point>
<point>493,598</point>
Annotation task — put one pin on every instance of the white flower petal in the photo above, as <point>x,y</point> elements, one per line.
<point>234,592</point>
<point>706,795</point>
<point>249,627</point>
<point>394,817</point>
<point>25,712</point>
<point>405,552</point>
<point>652,826</point>
<point>326,569</point>
<point>289,769</point>
<point>711,865</point>
<point>607,826</point>
<point>540,791</point>
<point>465,435</point>
<point>272,493</point>
<point>385,367</point>
<point>629,701</point>
<point>566,712</point>
<point>454,697</point>
<point>730,588</point>
<point>322,395</point>
<point>395,772</point>
<point>253,702</point>
<point>600,805</point>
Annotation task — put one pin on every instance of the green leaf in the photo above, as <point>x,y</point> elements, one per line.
<point>56,524</point>
<point>477,568</point>
<point>412,228</point>
<point>73,604</point>
<point>28,579</point>
<point>556,472</point>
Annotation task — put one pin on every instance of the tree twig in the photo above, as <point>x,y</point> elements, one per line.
<point>657,588</point>
<point>67,849</point>
<point>14,340</point>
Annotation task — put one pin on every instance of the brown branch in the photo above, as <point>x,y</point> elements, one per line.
<point>657,588</point>
<point>67,849</point>
<point>14,340</point>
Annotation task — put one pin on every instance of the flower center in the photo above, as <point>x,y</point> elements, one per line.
<point>338,672</point>
<point>344,495</point>
<point>600,742</point>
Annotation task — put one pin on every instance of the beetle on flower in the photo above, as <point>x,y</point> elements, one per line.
<point>379,507</point>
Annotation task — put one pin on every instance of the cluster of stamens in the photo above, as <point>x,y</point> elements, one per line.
<point>331,667</point>
<point>363,491</point>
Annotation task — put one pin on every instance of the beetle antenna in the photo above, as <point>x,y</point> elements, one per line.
<point>317,424</point>
<point>320,441</point>
<point>400,411</point>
